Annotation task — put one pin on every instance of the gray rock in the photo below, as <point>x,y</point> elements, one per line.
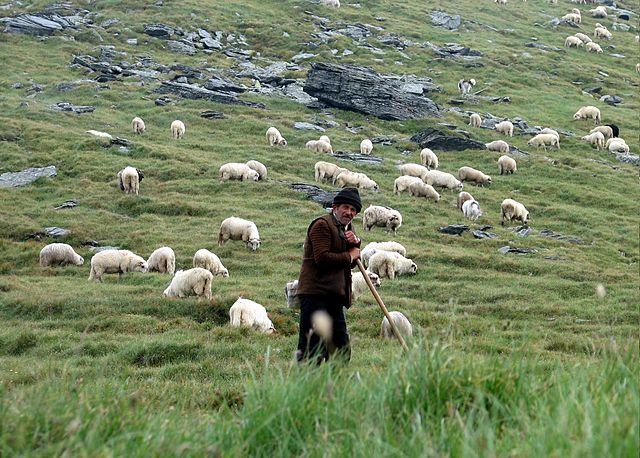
<point>159,31</point>
<point>17,85</point>
<point>383,140</point>
<point>347,52</point>
<point>162,101</point>
<point>124,150</point>
<point>210,43</point>
<point>484,235</point>
<point>522,231</point>
<point>132,41</point>
<point>67,204</point>
<point>555,235</point>
<point>303,56</point>
<point>209,114</point>
<point>454,51</point>
<point>56,232</point>
<point>27,176</point>
<point>445,20</point>
<point>192,91</point>
<point>307,126</point>
<point>439,140</point>
<point>611,99</point>
<point>628,159</point>
<point>619,56</point>
<point>543,47</point>
<point>357,158</point>
<point>181,47</point>
<point>319,195</point>
<point>39,24</point>
<point>109,22</point>
<point>454,229</point>
<point>78,109</point>
<point>413,88</point>
<point>509,249</point>
<point>220,84</point>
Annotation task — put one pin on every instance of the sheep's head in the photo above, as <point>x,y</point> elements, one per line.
<point>79,261</point>
<point>526,219</point>
<point>460,186</point>
<point>255,176</point>
<point>140,174</point>
<point>472,82</point>
<point>488,180</point>
<point>577,115</point>
<point>265,326</point>
<point>375,279</point>
<point>282,142</point>
<point>253,244</point>
<point>138,264</point>
<point>414,268</point>
<point>223,272</point>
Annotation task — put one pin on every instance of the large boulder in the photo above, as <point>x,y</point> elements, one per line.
<point>192,91</point>
<point>15,179</point>
<point>439,140</point>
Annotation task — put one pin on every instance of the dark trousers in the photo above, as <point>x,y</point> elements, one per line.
<point>310,345</point>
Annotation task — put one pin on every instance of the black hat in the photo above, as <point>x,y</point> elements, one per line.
<point>348,196</point>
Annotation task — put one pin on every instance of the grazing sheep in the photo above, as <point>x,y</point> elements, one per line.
<point>245,312</point>
<point>327,171</point>
<point>471,210</point>
<point>607,131</point>
<point>599,12</point>
<point>401,322</point>
<point>115,261</point>
<point>374,247</point>
<point>129,180</point>
<point>177,129</point>
<point>356,180</point>
<point>291,294</point>
<point>101,135</point>
<point>473,175</point>
<point>59,254</point>
<point>462,198</point>
<point>547,130</point>
<point>386,217</point>
<point>638,68</point>
<point>366,146</point>
<point>583,37</point>
<point>402,183</point>
<point>234,228</point>
<point>319,146</point>
<point>498,145</point>
<point>475,120</point>
<point>587,113</point>
<point>196,281</point>
<point>572,17</point>
<point>617,145</point>
<point>573,41</point>
<point>596,139</point>
<point>443,180</point>
<point>208,260</point>
<point>429,159</point>
<point>544,140</point>
<point>275,138</point>
<point>414,170</point>
<point>602,32</point>
<point>594,47</point>
<point>507,164</point>
<point>162,260</point>
<point>331,3</point>
<point>359,284</point>
<point>505,127</point>
<point>260,168</point>
<point>500,2</point>
<point>388,264</point>
<point>324,138</point>
<point>237,171</point>
<point>464,86</point>
<point>512,210</point>
<point>422,189</point>
<point>137,124</point>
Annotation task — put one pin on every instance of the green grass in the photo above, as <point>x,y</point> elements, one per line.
<point>534,362</point>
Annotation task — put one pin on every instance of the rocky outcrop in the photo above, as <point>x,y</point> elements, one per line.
<point>315,193</point>
<point>77,109</point>
<point>15,179</point>
<point>445,20</point>
<point>192,91</point>
<point>40,24</point>
<point>439,140</point>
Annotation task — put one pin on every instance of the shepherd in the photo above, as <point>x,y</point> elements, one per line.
<point>331,250</point>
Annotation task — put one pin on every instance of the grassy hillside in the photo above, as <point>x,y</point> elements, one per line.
<point>512,355</point>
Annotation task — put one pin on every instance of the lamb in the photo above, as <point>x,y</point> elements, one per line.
<point>402,183</point>
<point>359,284</point>
<point>291,294</point>
<point>388,264</point>
<point>354,179</point>
<point>599,12</point>
<point>115,261</point>
<point>275,138</point>
<point>162,260</point>
<point>596,139</point>
<point>237,171</point>
<point>234,228</point>
<point>464,86</point>
<point>401,322</point>
<point>422,189</point>
<point>374,247</point>
<point>544,140</point>
<point>547,130</point>
<point>607,131</point>
<point>505,127</point>
<point>324,138</point>
<point>208,260</point>
<point>189,282</point>
<point>101,135</point>
<point>583,37</point>
<point>366,146</point>
<point>245,312</point>
<point>137,124</point>
<point>260,168</point>
<point>462,198</point>
<point>327,171</point>
<point>319,146</point>
<point>498,145</point>
<point>507,164</point>
<point>177,129</point>
<point>512,210</point>
<point>473,175</point>
<point>414,170</point>
<point>129,180</point>
<point>387,217</point>
<point>429,159</point>
<point>617,145</point>
<point>443,179</point>
<point>594,47</point>
<point>471,210</point>
<point>59,254</point>
<point>602,32</point>
<point>588,112</point>
<point>475,120</point>
<point>573,41</point>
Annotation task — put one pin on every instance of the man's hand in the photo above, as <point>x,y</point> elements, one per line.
<point>351,238</point>
<point>354,253</point>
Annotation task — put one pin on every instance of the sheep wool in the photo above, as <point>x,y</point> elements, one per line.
<point>162,260</point>
<point>374,247</point>
<point>196,281</point>
<point>498,145</point>
<point>275,138</point>
<point>429,159</point>
<point>366,146</point>
<point>177,129</point>
<point>403,325</point>
<point>473,175</point>
<point>138,126</point>
<point>506,165</point>
<point>237,171</point>
<point>208,260</point>
<point>388,264</point>
<point>234,228</point>
<point>511,210</point>
<point>259,167</point>
<point>386,217</point>
<point>115,261</point>
<point>245,312</point>
<point>59,254</point>
<point>359,284</point>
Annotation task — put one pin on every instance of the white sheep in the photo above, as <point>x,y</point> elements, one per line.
<point>572,17</point>
<point>471,210</point>
<point>366,146</point>
<point>544,140</point>
<point>115,261</point>
<point>101,135</point>
<point>476,176</point>
<point>138,126</point>
<point>638,67</point>
<point>162,260</point>
<point>237,171</point>
<point>602,32</point>
<point>443,180</point>
<point>475,120</point>
<point>599,12</point>
<point>59,254</point>
<point>403,325</point>
<point>464,86</point>
<point>259,167</point>
<point>596,139</point>
<point>607,131</point>
<point>196,281</point>
<point>324,138</point>
<point>583,37</point>
<point>359,284</point>
<point>500,2</point>
<point>274,137</point>
<point>376,215</point>
<point>507,164</point>
<point>208,260</point>
<point>245,312</point>
<point>354,179</point>
<point>402,183</point>
<point>498,145</point>
<point>319,146</point>
<point>462,198</point>
<point>177,129</point>
<point>422,189</point>
<point>513,210</point>
<point>414,170</point>
<point>291,294</point>
<point>505,127</point>
<point>234,228</point>
<point>594,47</point>
<point>617,145</point>
<point>388,264</point>
<point>327,171</point>
<point>429,159</point>
<point>573,41</point>
<point>548,130</point>
<point>588,112</point>
<point>129,180</point>
<point>331,3</point>
<point>373,247</point>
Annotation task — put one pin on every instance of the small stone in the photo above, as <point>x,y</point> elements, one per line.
<point>56,232</point>
<point>132,41</point>
<point>303,56</point>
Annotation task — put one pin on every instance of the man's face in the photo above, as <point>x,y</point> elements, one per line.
<point>344,213</point>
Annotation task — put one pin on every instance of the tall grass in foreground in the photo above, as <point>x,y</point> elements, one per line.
<point>430,402</point>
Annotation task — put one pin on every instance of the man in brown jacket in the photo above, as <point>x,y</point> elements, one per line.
<point>331,249</point>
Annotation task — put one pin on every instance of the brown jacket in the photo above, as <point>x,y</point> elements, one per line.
<point>326,264</point>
